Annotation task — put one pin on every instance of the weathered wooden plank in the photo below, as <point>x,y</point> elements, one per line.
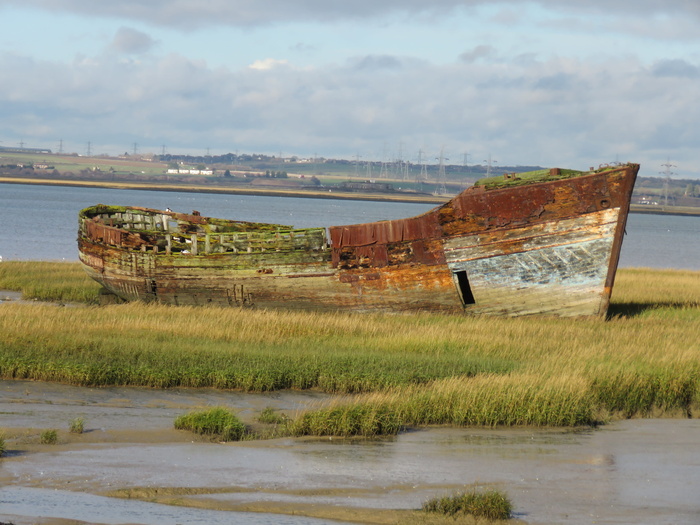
<point>524,248</point>
<point>503,241</point>
<point>562,280</point>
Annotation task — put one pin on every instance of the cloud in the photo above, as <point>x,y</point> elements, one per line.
<point>268,63</point>
<point>477,53</point>
<point>552,112</point>
<point>378,62</point>
<point>509,99</point>
<point>557,81</point>
<point>241,13</point>
<point>131,41</point>
<point>675,69</point>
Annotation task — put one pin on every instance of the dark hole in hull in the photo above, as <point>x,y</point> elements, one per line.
<point>465,290</point>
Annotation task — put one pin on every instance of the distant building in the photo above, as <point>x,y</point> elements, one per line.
<point>185,171</point>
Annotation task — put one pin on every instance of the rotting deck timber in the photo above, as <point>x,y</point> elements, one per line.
<point>542,243</point>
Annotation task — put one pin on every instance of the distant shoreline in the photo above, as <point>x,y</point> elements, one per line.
<point>309,194</point>
<point>665,210</point>
<point>265,192</point>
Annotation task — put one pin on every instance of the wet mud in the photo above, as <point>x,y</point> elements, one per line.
<point>8,296</point>
<point>131,466</point>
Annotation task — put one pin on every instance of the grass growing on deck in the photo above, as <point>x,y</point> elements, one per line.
<point>393,370</point>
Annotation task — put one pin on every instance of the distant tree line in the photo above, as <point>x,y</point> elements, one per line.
<point>228,158</point>
<point>276,174</point>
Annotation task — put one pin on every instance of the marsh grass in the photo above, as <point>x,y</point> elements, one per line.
<point>217,423</point>
<point>48,437</point>
<point>346,420</point>
<point>3,447</point>
<point>394,370</point>
<point>49,281</point>
<point>77,426</point>
<point>640,290</point>
<point>270,416</point>
<point>489,400</point>
<point>489,504</point>
<point>161,346</point>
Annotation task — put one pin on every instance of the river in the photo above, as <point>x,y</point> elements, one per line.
<point>40,222</point>
<point>637,471</point>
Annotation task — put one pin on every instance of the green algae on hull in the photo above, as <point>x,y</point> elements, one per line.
<point>540,243</point>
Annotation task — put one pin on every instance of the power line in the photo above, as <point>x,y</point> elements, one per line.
<point>441,180</point>
<point>423,175</point>
<point>489,163</point>
<point>383,173</point>
<point>667,181</point>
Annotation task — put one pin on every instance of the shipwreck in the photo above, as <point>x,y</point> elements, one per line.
<point>538,243</point>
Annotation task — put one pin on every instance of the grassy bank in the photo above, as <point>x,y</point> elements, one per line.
<point>49,281</point>
<point>395,371</point>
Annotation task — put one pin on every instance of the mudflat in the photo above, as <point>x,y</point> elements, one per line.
<point>130,465</point>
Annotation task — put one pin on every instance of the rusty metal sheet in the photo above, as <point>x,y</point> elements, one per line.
<point>393,242</point>
<point>470,212</point>
<point>517,248</point>
<point>400,230</point>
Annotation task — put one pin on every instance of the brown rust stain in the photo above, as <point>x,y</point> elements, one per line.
<point>383,265</point>
<point>383,243</point>
<point>514,207</point>
<point>403,241</point>
<point>403,278</point>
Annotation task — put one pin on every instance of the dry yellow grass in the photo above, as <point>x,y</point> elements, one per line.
<point>423,369</point>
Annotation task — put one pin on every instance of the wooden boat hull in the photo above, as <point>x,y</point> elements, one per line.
<point>542,247</point>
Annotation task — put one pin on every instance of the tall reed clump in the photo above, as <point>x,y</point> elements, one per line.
<point>641,392</point>
<point>217,423</point>
<point>480,401</point>
<point>77,426</point>
<point>490,504</point>
<point>345,420</point>
<point>270,416</point>
<point>516,399</point>
<point>49,281</point>
<point>48,437</point>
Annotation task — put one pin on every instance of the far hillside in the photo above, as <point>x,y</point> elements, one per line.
<point>260,172</point>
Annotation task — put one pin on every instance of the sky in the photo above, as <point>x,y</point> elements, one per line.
<point>525,83</point>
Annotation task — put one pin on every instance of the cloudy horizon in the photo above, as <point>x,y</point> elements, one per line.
<point>550,83</point>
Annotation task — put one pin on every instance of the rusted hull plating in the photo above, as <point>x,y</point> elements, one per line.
<point>546,247</point>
